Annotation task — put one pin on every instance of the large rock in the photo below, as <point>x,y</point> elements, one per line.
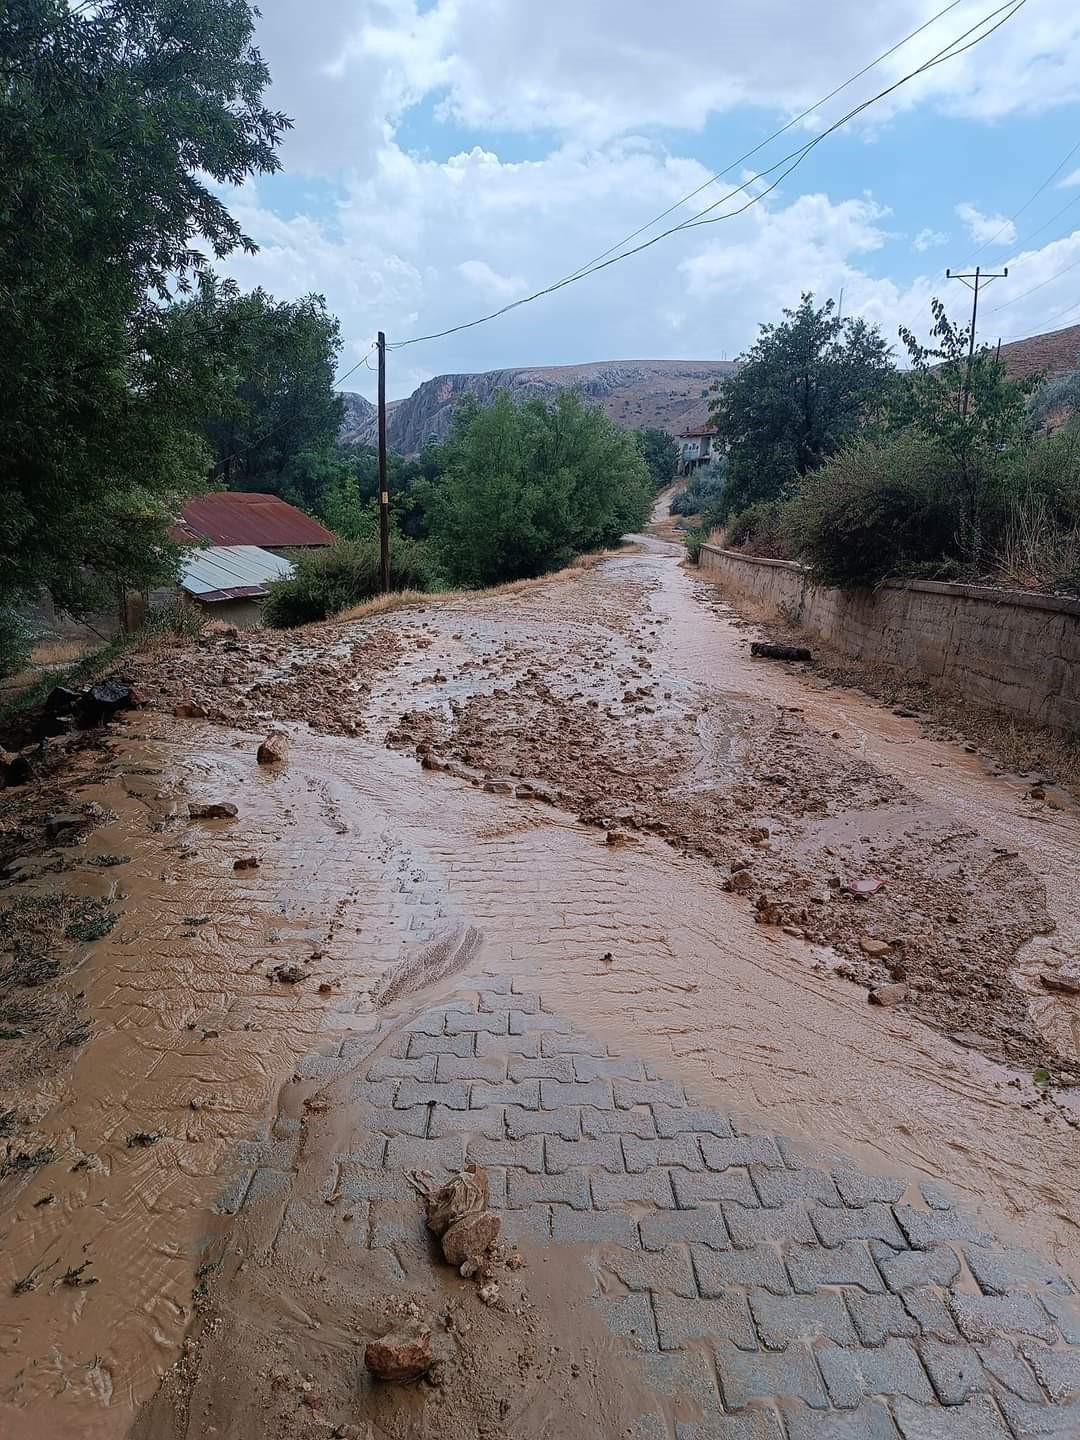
<point>213,810</point>
<point>400,1357</point>
<point>274,750</point>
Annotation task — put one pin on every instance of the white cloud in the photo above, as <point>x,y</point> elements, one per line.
<point>986,229</point>
<point>499,287</point>
<point>1069,181</point>
<point>928,239</point>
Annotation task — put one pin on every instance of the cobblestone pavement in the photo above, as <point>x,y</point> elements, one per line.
<point>778,1296</point>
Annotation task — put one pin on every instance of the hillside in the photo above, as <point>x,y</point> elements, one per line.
<point>635,393</point>
<point>1053,353</point>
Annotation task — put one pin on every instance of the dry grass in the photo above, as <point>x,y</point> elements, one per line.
<point>408,599</point>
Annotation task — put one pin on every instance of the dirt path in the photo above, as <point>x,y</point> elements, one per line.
<point>454,748</point>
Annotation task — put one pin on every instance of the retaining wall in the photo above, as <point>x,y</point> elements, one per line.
<point>1011,649</point>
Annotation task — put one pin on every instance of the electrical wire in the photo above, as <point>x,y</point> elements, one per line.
<point>948,52</point>
<point>795,120</point>
<point>1042,283</point>
<point>1031,198</point>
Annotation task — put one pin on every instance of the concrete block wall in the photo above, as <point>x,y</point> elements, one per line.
<point>1011,649</point>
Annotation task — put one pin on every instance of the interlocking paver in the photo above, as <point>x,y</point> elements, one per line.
<point>638,1122</point>
<point>760,1268</point>
<point>854,1374</point>
<point>924,1228</point>
<point>739,1150</point>
<point>562,1043</point>
<point>955,1371</point>
<point>709,1186</point>
<point>745,1377</point>
<point>651,1187</point>
<point>927,1308</point>
<point>1033,1422</point>
<point>565,1122</point>
<point>727,1317</point>
<point>752,1227</point>
<point>554,1094</point>
<point>870,1421</point>
<point>470,1067</point>
<point>778,1187</point>
<point>525,1154</point>
<point>605,1067</point>
<point>392,1068</point>
<point>982,1317</point>
<point>1065,1315</point>
<point>454,1095</point>
<point>631,1316</point>
<point>704,1227</point>
<point>676,1120</point>
<point>682,1150</point>
<point>489,1001</point>
<point>906,1269</point>
<point>467,1122</point>
<point>780,1319</point>
<point>525,1226</point>
<point>812,1266</point>
<point>878,1318</point>
<point>859,1189</point>
<point>1008,1369</point>
<point>977,1419</point>
<point>1057,1370</point>
<point>750,1425</point>
<point>405,1152</point>
<point>522,1023</point>
<point>524,1093</point>
<point>420,1044</point>
<point>594,1227</point>
<point>525,1045</point>
<point>869,1222</point>
<point>648,1092</point>
<point>1001,1271</point>
<point>524,1188</point>
<point>560,1155</point>
<point>554,1067</point>
<point>656,1270</point>
<point>464,1022</point>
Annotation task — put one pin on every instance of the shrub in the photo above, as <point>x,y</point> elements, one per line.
<point>179,619</point>
<point>17,636</point>
<point>324,582</point>
<point>704,491</point>
<point>694,539</point>
<point>874,510</point>
<point>759,530</point>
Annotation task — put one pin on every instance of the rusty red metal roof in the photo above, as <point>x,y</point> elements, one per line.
<point>240,517</point>
<point>699,431</point>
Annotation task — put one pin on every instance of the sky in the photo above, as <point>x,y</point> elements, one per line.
<point>451,156</point>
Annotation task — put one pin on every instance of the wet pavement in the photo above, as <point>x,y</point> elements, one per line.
<point>615,935</point>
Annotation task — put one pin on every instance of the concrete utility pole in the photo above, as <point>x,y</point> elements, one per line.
<point>973,280</point>
<point>384,494</point>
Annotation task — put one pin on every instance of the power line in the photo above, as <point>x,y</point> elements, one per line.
<point>1032,197</point>
<point>948,52</point>
<point>767,141</point>
<point>1024,293</point>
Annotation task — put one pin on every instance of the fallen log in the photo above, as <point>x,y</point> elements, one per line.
<point>779,652</point>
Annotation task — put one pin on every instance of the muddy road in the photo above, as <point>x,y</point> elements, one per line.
<point>582,786</point>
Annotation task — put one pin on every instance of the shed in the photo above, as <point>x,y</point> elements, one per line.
<point>231,581</point>
<point>247,519</point>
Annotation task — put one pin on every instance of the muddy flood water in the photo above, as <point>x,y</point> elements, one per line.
<point>589,784</point>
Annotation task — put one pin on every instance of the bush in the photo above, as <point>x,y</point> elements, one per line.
<point>759,530</point>
<point>178,620</point>
<point>704,491</point>
<point>324,582</point>
<point>694,539</point>
<point>875,510</point>
<point>17,636</point>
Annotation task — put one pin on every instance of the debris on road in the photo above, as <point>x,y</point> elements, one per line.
<point>888,994</point>
<point>458,1213</point>
<point>767,651</point>
<point>274,750</point>
<point>399,1358</point>
<point>287,974</point>
<point>214,810</point>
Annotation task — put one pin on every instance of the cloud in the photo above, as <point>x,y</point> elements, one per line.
<point>928,239</point>
<point>1069,181</point>
<point>986,229</point>
<point>499,287</point>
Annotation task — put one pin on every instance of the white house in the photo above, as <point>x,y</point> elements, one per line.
<point>696,447</point>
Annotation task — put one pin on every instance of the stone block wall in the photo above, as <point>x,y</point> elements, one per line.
<point>1014,650</point>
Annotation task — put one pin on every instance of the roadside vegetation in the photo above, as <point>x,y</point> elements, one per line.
<point>863,472</point>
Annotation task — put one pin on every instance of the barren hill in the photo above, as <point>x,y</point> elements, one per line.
<point>635,393</point>
<point>1053,353</point>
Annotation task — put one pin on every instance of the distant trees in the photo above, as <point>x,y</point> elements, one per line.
<point>804,389</point>
<point>527,486</point>
<point>660,453</point>
<point>117,122</point>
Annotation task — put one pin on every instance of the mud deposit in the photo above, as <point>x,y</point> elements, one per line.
<point>575,776</point>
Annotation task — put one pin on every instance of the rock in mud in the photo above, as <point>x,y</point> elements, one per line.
<point>399,1358</point>
<point>213,810</point>
<point>287,974</point>
<point>458,1213</point>
<point>246,862</point>
<point>470,1237</point>
<point>188,710</point>
<point>871,946</point>
<point>1065,982</point>
<point>887,994</point>
<point>274,750</point>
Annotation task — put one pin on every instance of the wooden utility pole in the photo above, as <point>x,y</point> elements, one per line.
<point>384,494</point>
<point>973,280</point>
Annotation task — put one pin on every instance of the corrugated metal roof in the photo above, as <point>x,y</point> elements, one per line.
<point>231,572</point>
<point>701,430</point>
<point>237,517</point>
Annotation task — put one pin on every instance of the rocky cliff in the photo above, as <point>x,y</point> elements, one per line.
<point>635,393</point>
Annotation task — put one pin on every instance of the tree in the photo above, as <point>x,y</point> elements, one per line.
<point>529,485</point>
<point>660,453</point>
<point>803,390</point>
<point>1057,401</point>
<point>970,410</point>
<point>272,407</point>
<point>117,123</point>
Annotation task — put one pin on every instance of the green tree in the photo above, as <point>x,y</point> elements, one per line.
<point>803,390</point>
<point>970,411</point>
<point>529,485</point>
<point>660,453</point>
<point>118,121</point>
<point>272,407</point>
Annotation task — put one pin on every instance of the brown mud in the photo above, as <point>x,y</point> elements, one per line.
<point>616,695</point>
